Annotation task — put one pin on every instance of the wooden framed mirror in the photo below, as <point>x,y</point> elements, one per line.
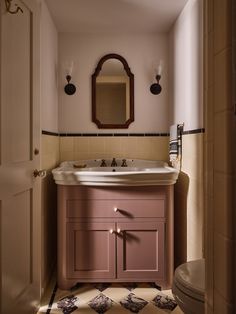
<point>112,93</point>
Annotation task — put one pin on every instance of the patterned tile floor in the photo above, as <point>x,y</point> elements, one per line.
<point>115,298</point>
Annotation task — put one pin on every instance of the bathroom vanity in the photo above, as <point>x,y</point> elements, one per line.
<point>115,233</point>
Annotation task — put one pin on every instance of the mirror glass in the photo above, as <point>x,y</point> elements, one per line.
<point>112,93</point>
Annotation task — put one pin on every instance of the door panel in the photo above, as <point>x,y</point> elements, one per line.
<point>20,133</point>
<point>16,63</point>
<point>17,264</point>
<point>140,250</point>
<point>90,250</point>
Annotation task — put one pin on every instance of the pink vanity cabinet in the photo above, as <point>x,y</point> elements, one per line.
<point>115,234</point>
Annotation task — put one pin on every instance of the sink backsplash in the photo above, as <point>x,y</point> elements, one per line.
<point>92,147</point>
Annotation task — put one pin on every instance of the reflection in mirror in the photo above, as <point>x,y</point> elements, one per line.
<point>112,93</point>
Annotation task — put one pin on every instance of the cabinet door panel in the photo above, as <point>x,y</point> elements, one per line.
<point>90,250</point>
<point>140,250</point>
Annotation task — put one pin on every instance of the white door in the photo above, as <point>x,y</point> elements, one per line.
<point>20,136</point>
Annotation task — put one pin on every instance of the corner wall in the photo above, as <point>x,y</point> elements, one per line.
<point>49,143</point>
<point>220,181</point>
<point>186,103</point>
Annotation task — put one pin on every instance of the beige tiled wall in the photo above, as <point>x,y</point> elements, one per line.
<point>50,151</point>
<point>192,165</point>
<point>49,160</point>
<point>189,201</point>
<point>153,148</point>
<point>219,172</point>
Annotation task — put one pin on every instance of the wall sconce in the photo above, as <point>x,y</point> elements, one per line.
<point>70,88</point>
<point>156,88</point>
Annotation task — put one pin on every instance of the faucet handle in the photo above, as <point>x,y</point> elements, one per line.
<point>103,164</point>
<point>113,163</point>
<point>124,164</point>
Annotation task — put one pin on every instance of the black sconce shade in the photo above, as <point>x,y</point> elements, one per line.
<point>156,87</point>
<point>70,88</point>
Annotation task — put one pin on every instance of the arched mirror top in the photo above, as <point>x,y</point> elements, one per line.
<point>112,93</point>
<point>112,56</point>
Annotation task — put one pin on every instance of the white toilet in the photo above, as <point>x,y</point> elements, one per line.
<point>189,286</point>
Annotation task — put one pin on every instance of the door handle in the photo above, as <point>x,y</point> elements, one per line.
<point>40,173</point>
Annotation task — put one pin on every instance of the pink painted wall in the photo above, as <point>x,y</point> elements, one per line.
<point>48,62</point>
<point>185,67</point>
<point>141,53</point>
<point>181,51</point>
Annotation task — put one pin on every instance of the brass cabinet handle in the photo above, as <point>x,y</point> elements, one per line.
<point>117,231</point>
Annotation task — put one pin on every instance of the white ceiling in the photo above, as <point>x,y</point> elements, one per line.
<point>115,16</point>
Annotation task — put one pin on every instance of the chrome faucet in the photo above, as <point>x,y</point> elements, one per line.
<point>124,164</point>
<point>103,164</point>
<point>113,163</point>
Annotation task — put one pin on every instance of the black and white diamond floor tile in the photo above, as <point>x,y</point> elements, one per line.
<point>106,298</point>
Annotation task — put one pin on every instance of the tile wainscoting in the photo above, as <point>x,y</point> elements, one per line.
<point>90,147</point>
<point>188,203</point>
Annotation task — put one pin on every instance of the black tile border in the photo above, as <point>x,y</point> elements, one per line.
<point>136,134</point>
<point>106,134</point>
<point>202,130</point>
<point>51,299</point>
<point>120,134</point>
<point>195,131</point>
<point>50,133</point>
<point>157,134</point>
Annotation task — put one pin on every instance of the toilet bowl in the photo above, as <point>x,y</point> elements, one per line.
<point>189,286</point>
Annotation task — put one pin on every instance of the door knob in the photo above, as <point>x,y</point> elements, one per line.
<point>40,173</point>
<point>36,151</point>
<point>115,209</point>
<point>111,231</point>
<point>118,230</point>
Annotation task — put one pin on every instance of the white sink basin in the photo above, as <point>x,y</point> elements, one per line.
<point>137,172</point>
